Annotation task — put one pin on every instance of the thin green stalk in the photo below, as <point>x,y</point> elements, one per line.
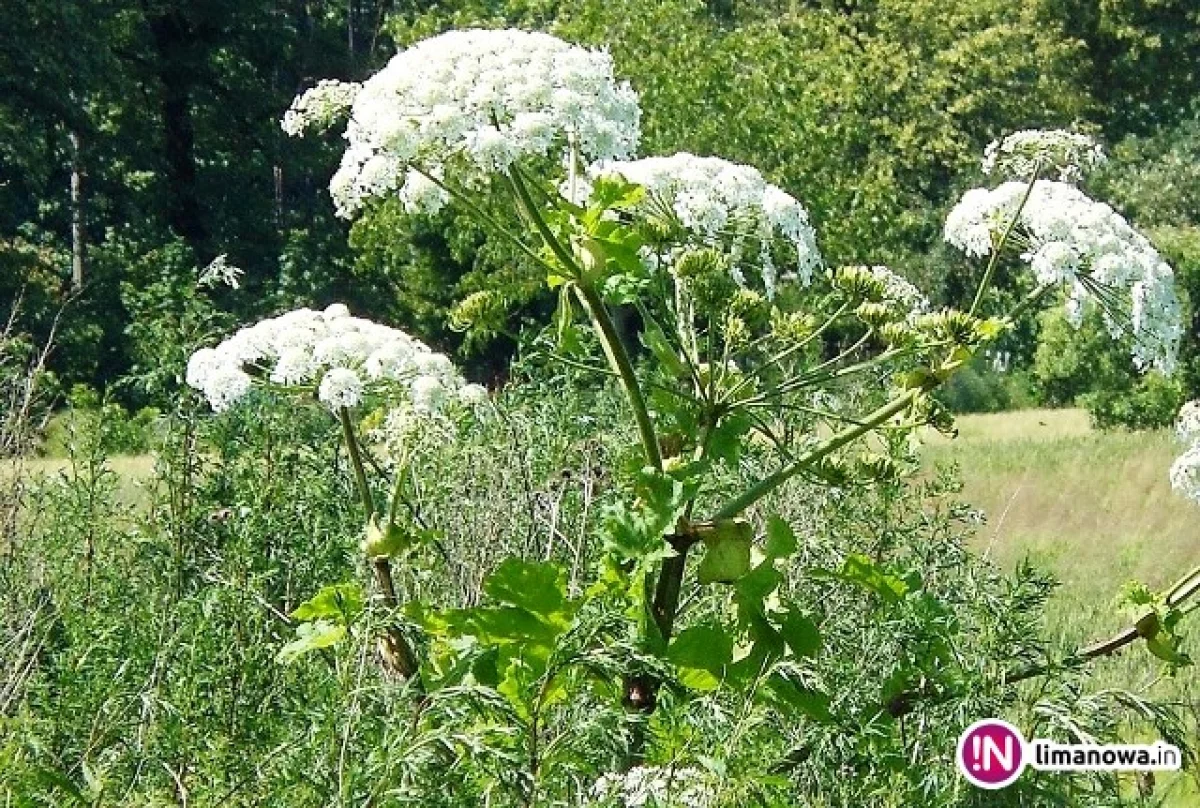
<point>1012,224</point>
<point>739,504</point>
<point>484,217</point>
<point>614,349</point>
<point>539,224</point>
<point>356,461</point>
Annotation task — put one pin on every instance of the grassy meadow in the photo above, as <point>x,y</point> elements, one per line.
<point>1097,510</point>
<point>1094,508</point>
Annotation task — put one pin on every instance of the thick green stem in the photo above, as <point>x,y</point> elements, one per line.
<point>394,647</point>
<point>605,329</point>
<point>356,462</point>
<point>539,224</point>
<point>739,504</point>
<point>614,349</point>
<point>668,588</point>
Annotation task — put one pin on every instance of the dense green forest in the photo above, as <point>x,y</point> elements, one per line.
<point>142,139</point>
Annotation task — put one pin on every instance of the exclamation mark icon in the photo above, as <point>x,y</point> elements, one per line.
<point>976,753</point>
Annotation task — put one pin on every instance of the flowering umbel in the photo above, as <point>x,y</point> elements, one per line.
<point>341,356</point>
<point>476,102</point>
<point>1070,240</point>
<point>726,204</point>
<point>1185,471</point>
<point>1069,155</point>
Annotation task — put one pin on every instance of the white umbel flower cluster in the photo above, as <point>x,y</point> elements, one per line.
<point>1071,240</point>
<point>468,104</point>
<point>724,203</point>
<point>342,357</point>
<point>1185,471</point>
<point>320,107</point>
<point>1068,154</point>
<point>654,787</point>
<point>900,291</point>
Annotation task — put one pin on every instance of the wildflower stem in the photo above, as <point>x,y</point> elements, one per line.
<point>605,329</point>
<point>617,355</point>
<point>1008,231</point>
<point>395,649</point>
<point>356,462</point>
<point>739,504</point>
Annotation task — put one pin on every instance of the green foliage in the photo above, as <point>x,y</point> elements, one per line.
<point>981,387</point>
<point>167,633</point>
<point>731,568</point>
<point>1152,403</point>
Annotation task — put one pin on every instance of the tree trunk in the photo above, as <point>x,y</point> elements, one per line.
<point>174,44</point>
<point>78,232</point>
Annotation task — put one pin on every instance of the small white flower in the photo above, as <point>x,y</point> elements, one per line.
<point>351,357</point>
<point>340,388</point>
<point>1187,424</point>
<point>218,272</point>
<point>473,101</point>
<point>428,394</point>
<point>225,386</point>
<point>472,394</point>
<point>656,787</point>
<point>1069,155</point>
<point>320,107</point>
<point>900,291</point>
<point>1087,247</point>
<point>1185,474</point>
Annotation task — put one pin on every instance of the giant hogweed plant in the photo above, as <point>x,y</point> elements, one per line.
<point>750,341</point>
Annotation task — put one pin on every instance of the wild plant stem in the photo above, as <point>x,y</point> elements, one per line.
<point>397,653</point>
<point>738,505</point>
<point>602,323</point>
<point>619,357</point>
<point>1008,231</point>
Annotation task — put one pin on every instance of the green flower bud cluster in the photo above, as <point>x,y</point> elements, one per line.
<point>693,264</point>
<point>736,332</point>
<point>858,283</point>
<point>875,314</point>
<point>705,273</point>
<point>792,326</point>
<point>478,311</point>
<point>960,328</point>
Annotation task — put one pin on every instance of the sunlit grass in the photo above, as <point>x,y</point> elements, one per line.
<point>1095,509</point>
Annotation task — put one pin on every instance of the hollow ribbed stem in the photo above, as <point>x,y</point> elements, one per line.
<point>397,653</point>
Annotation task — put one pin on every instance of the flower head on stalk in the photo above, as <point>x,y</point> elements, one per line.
<point>727,205</point>
<point>340,356</point>
<point>1070,154</point>
<point>470,104</point>
<point>320,107</point>
<point>1070,240</point>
